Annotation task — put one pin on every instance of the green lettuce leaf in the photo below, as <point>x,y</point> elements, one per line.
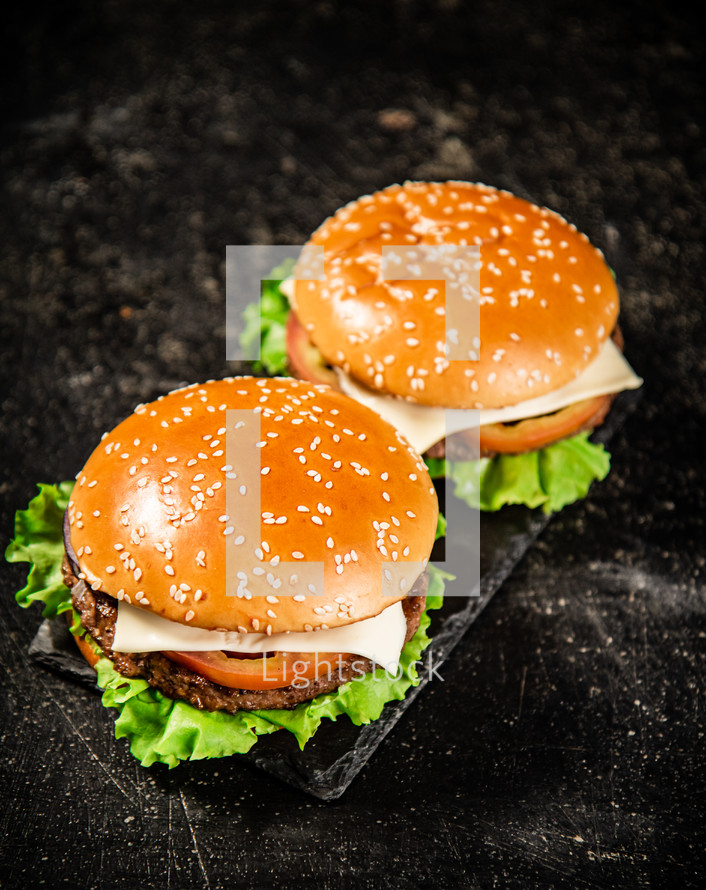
<point>39,541</point>
<point>549,478</point>
<point>161,730</point>
<point>265,321</point>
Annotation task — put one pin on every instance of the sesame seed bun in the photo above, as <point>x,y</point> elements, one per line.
<point>149,516</point>
<point>548,300</point>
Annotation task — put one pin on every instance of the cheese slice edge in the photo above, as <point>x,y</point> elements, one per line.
<point>380,638</point>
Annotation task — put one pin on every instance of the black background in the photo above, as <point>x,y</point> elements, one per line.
<point>564,746</point>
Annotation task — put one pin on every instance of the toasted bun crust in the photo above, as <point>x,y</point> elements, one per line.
<point>548,300</point>
<point>149,516</point>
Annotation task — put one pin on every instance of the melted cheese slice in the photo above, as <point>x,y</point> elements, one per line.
<point>380,638</point>
<point>424,425</point>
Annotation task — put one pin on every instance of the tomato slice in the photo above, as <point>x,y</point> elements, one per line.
<point>305,360</point>
<point>265,672</point>
<point>536,432</point>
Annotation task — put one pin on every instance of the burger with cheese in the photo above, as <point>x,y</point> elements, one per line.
<point>550,354</point>
<point>214,598</point>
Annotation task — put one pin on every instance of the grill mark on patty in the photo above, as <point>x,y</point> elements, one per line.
<point>99,611</point>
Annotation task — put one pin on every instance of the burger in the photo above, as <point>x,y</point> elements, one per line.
<point>549,360</point>
<point>208,584</point>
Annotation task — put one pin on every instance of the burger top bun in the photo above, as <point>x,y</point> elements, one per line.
<point>548,300</point>
<point>156,517</point>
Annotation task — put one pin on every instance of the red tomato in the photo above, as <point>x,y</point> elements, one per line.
<point>536,432</point>
<point>267,672</point>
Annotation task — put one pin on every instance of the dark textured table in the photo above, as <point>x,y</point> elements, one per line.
<point>564,744</point>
